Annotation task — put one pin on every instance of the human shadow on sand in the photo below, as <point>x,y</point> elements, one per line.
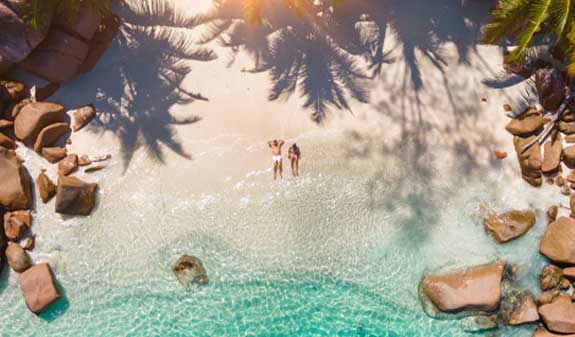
<point>141,77</point>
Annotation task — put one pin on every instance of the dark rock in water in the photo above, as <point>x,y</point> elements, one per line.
<point>558,242</point>
<point>16,184</point>
<point>38,287</point>
<point>17,257</point>
<point>550,277</point>
<point>548,296</point>
<point>510,225</point>
<point>36,116</point>
<point>550,87</point>
<point>74,196</point>
<point>529,160</point>
<point>559,315</point>
<point>479,323</point>
<point>525,125</point>
<point>524,311</point>
<point>68,165</point>
<point>552,213</point>
<point>474,289</point>
<point>46,187</point>
<point>552,151</point>
<point>542,332</point>
<point>54,154</point>
<point>189,270</point>
<point>82,116</point>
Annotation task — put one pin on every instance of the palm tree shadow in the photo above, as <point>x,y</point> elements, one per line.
<point>141,77</point>
<point>334,54</point>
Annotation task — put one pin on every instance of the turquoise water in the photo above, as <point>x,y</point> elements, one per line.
<point>338,252</point>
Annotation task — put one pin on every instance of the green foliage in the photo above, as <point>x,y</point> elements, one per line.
<point>523,19</point>
<point>35,9</point>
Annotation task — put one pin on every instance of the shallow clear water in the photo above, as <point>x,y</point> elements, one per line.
<point>337,252</point>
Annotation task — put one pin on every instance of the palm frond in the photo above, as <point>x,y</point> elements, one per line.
<point>560,11</point>
<point>508,16</point>
<point>538,11</point>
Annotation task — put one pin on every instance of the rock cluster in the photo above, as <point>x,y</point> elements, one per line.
<point>41,126</point>
<point>58,50</point>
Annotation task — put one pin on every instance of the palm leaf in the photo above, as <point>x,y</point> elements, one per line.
<point>538,12</point>
<point>560,11</point>
<point>508,16</point>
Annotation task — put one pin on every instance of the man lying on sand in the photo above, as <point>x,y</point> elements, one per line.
<point>294,155</point>
<point>276,147</point>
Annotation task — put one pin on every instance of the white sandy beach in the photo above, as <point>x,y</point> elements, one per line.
<point>416,158</point>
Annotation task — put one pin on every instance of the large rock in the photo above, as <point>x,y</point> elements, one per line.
<point>106,33</point>
<point>58,58</point>
<point>7,142</point>
<point>550,87</point>
<point>46,188</point>
<point>54,154</point>
<point>189,270</point>
<point>17,39</point>
<point>38,287</point>
<point>50,134</point>
<point>74,196</point>
<point>68,165</point>
<point>36,116</point>
<point>524,312</point>
<point>542,332</point>
<point>475,289</point>
<point>510,225</point>
<point>82,116</point>
<point>529,160</point>
<point>552,151</point>
<point>559,315</point>
<point>558,242</point>
<point>17,257</point>
<point>525,124</point>
<point>15,185</point>
<point>569,155</point>
<point>85,24</point>
<point>550,277</point>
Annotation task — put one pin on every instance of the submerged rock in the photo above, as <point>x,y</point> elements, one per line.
<point>38,287</point>
<point>479,323</point>
<point>510,225</point>
<point>559,315</point>
<point>189,270</point>
<point>550,277</point>
<point>542,332</point>
<point>474,289</point>
<point>15,185</point>
<point>525,311</point>
<point>558,242</point>
<point>74,196</point>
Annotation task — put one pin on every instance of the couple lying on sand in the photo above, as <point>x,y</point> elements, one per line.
<point>294,155</point>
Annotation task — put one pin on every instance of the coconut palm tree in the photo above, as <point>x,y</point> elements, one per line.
<point>524,19</point>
